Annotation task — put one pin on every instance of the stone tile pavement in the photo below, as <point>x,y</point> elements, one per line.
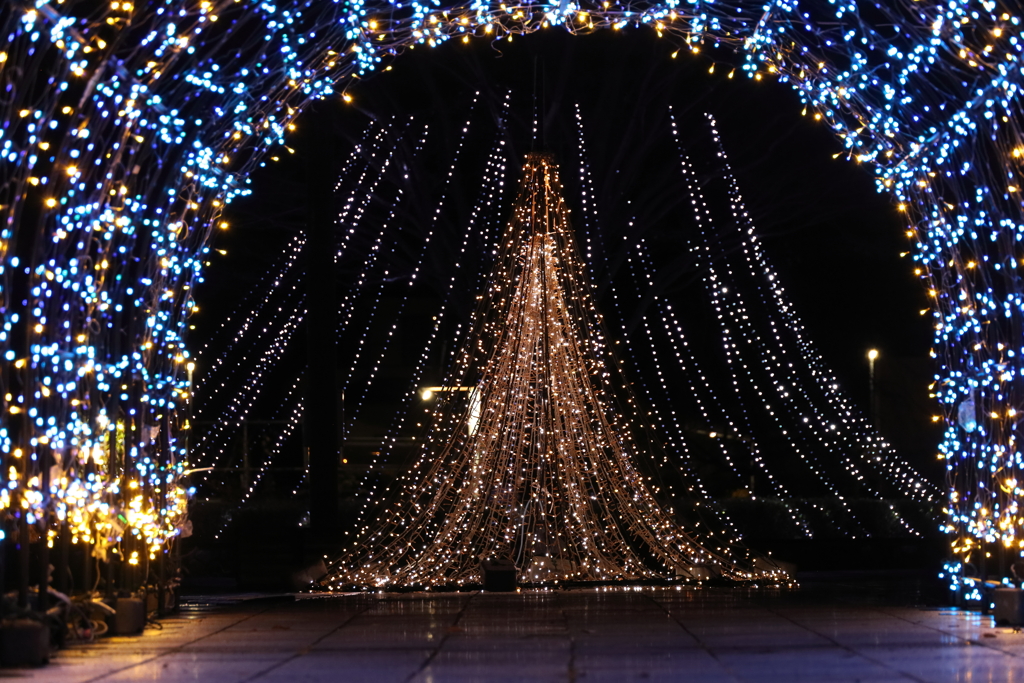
<point>589,636</point>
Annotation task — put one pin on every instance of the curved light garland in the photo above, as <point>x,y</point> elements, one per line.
<point>837,446</point>
<point>126,129</point>
<point>531,456</point>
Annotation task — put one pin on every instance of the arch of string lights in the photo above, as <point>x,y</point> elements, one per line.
<point>126,130</point>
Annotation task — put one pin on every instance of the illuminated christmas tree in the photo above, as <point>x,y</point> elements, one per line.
<point>532,455</point>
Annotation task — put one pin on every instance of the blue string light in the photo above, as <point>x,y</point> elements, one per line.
<point>145,121</point>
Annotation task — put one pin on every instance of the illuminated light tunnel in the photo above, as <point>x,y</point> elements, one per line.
<point>127,129</point>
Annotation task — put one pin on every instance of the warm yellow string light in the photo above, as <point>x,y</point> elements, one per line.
<point>534,463</point>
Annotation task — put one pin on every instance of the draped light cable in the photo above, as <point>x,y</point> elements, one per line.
<point>534,462</point>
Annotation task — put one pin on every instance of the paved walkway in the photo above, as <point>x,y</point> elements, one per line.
<point>582,635</point>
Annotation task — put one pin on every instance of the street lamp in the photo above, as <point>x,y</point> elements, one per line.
<point>473,419</point>
<point>427,393</point>
<point>873,408</point>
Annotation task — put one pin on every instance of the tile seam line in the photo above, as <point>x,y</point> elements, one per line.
<point>571,673</point>
<point>177,649</point>
<point>437,650</point>
<point>848,648</point>
<point>729,672</point>
<point>304,651</point>
<point>958,636</point>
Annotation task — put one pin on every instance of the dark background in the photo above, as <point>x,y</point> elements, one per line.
<point>834,240</point>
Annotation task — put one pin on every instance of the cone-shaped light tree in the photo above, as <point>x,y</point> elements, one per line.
<point>532,454</point>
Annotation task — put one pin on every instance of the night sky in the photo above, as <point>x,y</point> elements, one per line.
<point>836,242</point>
